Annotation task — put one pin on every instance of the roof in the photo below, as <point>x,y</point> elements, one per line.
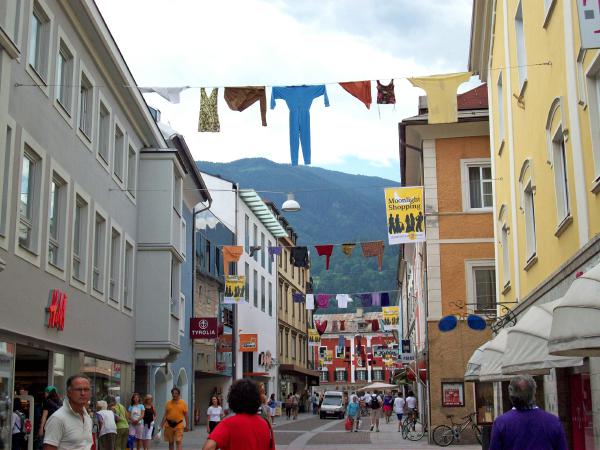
<point>262,212</point>
<point>463,116</point>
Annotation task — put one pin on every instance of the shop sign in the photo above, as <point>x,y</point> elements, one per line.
<point>314,338</point>
<point>387,353</point>
<point>225,343</point>
<point>248,342</point>
<point>203,327</point>
<point>405,346</point>
<point>57,310</point>
<point>265,360</point>
<point>589,23</point>
<point>407,357</point>
<point>453,394</point>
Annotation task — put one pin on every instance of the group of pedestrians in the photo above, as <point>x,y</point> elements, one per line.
<point>374,405</point>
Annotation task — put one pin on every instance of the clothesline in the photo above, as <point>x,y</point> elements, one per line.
<point>405,77</point>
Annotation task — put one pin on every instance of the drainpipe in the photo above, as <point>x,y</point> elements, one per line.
<point>194,213</point>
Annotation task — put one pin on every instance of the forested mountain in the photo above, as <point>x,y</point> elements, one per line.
<point>336,208</point>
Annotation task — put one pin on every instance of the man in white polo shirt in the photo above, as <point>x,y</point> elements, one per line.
<point>70,427</point>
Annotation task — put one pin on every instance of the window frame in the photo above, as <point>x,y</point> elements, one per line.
<point>100,295</point>
<point>500,100</point>
<point>528,194</point>
<point>87,140</point>
<point>344,374</point>
<point>7,155</point>
<point>65,111</point>
<point>116,124</point>
<point>561,178</point>
<point>114,227</point>
<point>131,186</point>
<point>175,291</point>
<point>81,284</point>
<point>42,79</point>
<point>255,287</point>
<point>592,77</point>
<point>106,163</point>
<point>521,48</point>
<point>128,280</point>
<point>270,284</point>
<point>31,255</point>
<point>14,15</point>
<point>465,165</point>
<point>471,265</point>
<point>59,269</point>
<point>181,314</point>
<point>263,297</point>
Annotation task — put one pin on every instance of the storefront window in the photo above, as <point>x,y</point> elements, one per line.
<point>105,376</point>
<point>58,373</point>
<point>7,355</point>
<point>484,401</point>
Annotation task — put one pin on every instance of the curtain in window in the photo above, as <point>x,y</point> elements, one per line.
<point>475,187</point>
<point>485,289</point>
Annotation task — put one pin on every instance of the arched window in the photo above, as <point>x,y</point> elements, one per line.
<point>557,158</point>
<point>527,184</point>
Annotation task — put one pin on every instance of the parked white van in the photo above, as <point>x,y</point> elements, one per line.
<point>333,405</point>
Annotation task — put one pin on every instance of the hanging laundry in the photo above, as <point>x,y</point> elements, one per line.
<point>325,250</point>
<point>375,325</point>
<point>274,251</point>
<point>366,299</point>
<point>341,341</point>
<point>310,301</point>
<point>321,326</point>
<point>359,89</point>
<point>231,253</point>
<point>386,94</point>
<point>441,95</point>
<point>374,248</point>
<point>299,256</point>
<point>240,98</point>
<point>170,94</point>
<point>323,300</point>
<point>342,325</point>
<point>334,326</point>
<point>348,248</point>
<point>299,100</point>
<point>209,116</point>
<point>254,249</point>
<point>342,300</point>
<point>298,297</point>
<point>376,298</point>
<point>385,299</point>
<point>309,286</point>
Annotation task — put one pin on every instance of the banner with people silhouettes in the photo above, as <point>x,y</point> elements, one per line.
<point>235,287</point>
<point>405,215</point>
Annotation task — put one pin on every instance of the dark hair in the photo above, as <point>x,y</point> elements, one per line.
<point>111,400</point>
<point>133,396</point>
<point>72,378</point>
<point>244,397</point>
<point>17,406</point>
<point>53,395</point>
<point>411,394</point>
<point>218,400</point>
<point>175,388</point>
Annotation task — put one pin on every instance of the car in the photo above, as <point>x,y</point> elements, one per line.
<point>333,405</point>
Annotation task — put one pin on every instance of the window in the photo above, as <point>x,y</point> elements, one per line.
<point>247,285</point>
<point>361,375</point>
<point>505,255</point>
<point>285,260</point>
<point>119,151</point>
<point>183,242</point>
<point>500,93</point>
<point>263,250</point>
<point>57,213</point>
<point>593,92</point>
<point>128,277</point>
<point>103,132</point>
<point>270,299</point>
<point>341,375</point>
<point>529,209</point>
<point>280,296</point>
<point>247,234</point>
<point>5,163</point>
<point>80,238</point>
<point>560,175</point>
<point>181,314</point>
<point>262,294</point>
<point>285,298</point>
<point>10,19</point>
<point>177,187</point>
<point>131,171</point>
<point>115,266</point>
<point>324,375</point>
<point>255,279</point>
<point>64,77</point>
<point>270,259</point>
<point>293,306</point>
<point>287,343</point>
<point>294,346</point>
<point>280,341</point>
<point>255,240</point>
<point>39,39</point>
<point>485,288</point>
<point>99,253</point>
<point>175,290</point>
<point>86,99</point>
<point>521,53</point>
<point>29,202</point>
<point>476,179</point>
<point>378,374</point>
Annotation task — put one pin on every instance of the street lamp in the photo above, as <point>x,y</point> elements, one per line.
<point>290,205</point>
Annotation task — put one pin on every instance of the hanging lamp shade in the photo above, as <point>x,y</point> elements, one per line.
<point>290,205</point>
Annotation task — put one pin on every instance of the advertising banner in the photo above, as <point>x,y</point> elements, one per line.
<point>386,353</point>
<point>405,215</point>
<point>391,317</point>
<point>340,352</point>
<point>225,343</point>
<point>234,289</point>
<point>203,327</point>
<point>248,342</point>
<point>329,357</point>
<point>314,338</point>
<point>453,394</point>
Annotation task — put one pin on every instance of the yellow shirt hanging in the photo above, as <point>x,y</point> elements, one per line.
<point>441,95</point>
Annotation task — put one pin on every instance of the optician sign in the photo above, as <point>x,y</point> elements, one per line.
<point>203,328</point>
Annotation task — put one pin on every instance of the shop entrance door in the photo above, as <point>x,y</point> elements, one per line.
<point>581,412</point>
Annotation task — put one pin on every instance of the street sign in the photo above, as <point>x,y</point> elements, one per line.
<point>405,346</point>
<point>407,357</point>
<point>589,23</point>
<point>203,328</point>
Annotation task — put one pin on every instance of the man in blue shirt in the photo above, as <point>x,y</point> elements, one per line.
<point>526,427</point>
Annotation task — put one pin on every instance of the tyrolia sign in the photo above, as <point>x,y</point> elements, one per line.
<point>203,328</point>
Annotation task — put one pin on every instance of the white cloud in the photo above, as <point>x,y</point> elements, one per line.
<point>254,42</point>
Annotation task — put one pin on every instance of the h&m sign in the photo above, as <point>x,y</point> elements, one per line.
<point>57,310</point>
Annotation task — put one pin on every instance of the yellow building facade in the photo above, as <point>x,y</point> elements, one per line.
<point>544,94</point>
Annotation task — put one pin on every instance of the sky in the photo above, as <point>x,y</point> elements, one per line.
<point>217,43</point>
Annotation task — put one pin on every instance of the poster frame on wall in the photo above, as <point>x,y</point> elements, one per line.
<point>453,394</point>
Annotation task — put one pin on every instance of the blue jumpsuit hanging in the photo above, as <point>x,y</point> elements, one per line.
<point>299,99</point>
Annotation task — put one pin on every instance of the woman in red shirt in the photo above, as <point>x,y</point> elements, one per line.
<point>246,430</point>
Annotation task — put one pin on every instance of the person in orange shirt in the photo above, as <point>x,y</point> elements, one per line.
<point>176,412</point>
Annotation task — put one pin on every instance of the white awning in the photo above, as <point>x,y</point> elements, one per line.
<point>575,325</point>
<point>491,359</point>
<point>474,364</point>
<point>527,344</point>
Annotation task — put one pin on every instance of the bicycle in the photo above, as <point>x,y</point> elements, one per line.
<point>444,435</point>
<point>412,429</point>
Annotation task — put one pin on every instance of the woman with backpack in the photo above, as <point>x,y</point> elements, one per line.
<point>18,426</point>
<point>376,403</point>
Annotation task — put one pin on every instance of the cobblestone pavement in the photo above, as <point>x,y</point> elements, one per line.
<point>311,433</point>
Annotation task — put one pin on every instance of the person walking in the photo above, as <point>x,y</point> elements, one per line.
<point>295,405</point>
<point>107,426</point>
<point>148,421</point>
<point>288,407</point>
<point>214,414</point>
<point>399,404</point>
<point>18,441</point>
<point>135,417</point>
<point>264,408</point>
<point>411,405</point>
<point>71,426</point>
<point>50,405</point>
<point>387,406</point>
<point>272,404</point>
<point>315,402</point>
<point>246,430</point>
<point>121,420</point>
<point>376,403</point>
<point>175,420</point>
<point>526,427</point>
<point>352,412</point>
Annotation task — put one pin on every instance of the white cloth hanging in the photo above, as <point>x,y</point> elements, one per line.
<point>310,301</point>
<point>170,94</point>
<point>342,300</point>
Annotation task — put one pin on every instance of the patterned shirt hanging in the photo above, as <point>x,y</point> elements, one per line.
<point>209,116</point>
